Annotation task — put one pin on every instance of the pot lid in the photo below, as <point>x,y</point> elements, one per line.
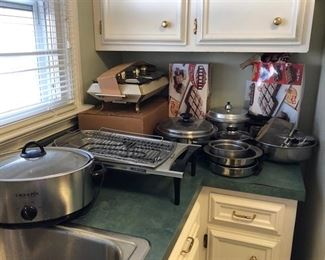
<point>39,163</point>
<point>234,134</point>
<point>186,127</point>
<point>228,114</point>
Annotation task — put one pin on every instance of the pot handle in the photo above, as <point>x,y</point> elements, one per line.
<point>98,174</point>
<point>232,129</point>
<point>32,153</point>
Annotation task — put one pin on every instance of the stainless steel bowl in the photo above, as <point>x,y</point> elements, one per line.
<point>291,154</point>
<point>229,148</point>
<point>254,153</point>
<point>235,172</point>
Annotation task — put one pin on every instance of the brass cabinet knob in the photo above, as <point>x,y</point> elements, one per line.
<point>164,24</point>
<point>253,258</point>
<point>277,21</point>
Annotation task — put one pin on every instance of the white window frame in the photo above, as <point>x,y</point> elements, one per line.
<point>15,135</point>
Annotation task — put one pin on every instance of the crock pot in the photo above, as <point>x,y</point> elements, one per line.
<point>228,116</point>
<point>186,129</point>
<point>42,184</point>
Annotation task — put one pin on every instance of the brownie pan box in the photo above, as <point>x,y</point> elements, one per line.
<point>276,90</point>
<point>188,89</point>
<point>123,117</point>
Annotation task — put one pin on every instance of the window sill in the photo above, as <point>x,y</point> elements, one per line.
<point>16,136</point>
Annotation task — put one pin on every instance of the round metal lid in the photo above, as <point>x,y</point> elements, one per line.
<point>39,163</point>
<point>234,134</point>
<point>228,114</point>
<point>186,127</point>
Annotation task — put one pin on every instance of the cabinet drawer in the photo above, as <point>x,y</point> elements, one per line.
<point>225,245</point>
<point>246,213</point>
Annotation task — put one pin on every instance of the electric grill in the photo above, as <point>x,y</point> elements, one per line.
<point>139,154</point>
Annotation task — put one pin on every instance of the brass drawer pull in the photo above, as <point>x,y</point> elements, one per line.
<point>164,24</point>
<point>253,258</point>
<point>277,21</point>
<point>191,240</point>
<point>250,218</point>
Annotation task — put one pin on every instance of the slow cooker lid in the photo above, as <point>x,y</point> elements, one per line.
<point>186,127</point>
<point>228,114</point>
<point>38,162</point>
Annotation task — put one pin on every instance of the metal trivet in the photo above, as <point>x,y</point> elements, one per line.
<point>121,148</point>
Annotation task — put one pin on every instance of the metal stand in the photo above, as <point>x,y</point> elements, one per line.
<point>177,191</point>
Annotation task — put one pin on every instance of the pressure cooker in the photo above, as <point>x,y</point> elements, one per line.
<point>45,184</point>
<point>186,129</point>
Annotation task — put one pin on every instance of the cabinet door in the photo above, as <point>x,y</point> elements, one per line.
<point>187,246</point>
<point>143,21</point>
<point>255,23</point>
<point>225,245</point>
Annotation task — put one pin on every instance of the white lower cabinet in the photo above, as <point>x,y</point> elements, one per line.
<point>230,225</point>
<point>189,243</point>
<point>227,245</point>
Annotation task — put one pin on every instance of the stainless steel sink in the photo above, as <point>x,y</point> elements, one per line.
<point>73,242</point>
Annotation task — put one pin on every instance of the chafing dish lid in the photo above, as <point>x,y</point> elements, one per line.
<point>228,114</point>
<point>186,127</point>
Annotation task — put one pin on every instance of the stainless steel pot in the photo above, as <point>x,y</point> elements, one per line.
<point>228,116</point>
<point>42,184</point>
<point>186,129</point>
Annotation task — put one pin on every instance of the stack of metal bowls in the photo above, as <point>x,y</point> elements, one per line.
<point>233,158</point>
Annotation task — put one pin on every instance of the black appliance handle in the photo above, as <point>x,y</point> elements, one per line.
<point>180,164</point>
<point>32,153</point>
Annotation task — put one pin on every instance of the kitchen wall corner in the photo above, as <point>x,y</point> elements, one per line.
<point>92,63</point>
<point>310,231</point>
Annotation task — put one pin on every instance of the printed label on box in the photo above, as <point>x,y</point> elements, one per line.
<point>274,99</point>
<point>188,89</point>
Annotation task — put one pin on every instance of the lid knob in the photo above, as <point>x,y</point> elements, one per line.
<point>186,117</point>
<point>32,153</point>
<point>228,106</point>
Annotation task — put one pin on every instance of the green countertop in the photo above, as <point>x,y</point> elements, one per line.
<point>143,206</point>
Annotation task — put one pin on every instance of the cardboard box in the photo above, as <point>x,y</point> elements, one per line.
<point>188,89</point>
<point>124,117</point>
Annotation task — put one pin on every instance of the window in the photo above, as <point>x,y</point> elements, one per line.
<point>36,72</point>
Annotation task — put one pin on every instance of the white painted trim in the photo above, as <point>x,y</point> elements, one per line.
<point>19,136</point>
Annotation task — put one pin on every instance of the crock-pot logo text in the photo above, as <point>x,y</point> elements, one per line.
<point>27,195</point>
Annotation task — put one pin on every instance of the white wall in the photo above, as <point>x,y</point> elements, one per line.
<point>313,215</point>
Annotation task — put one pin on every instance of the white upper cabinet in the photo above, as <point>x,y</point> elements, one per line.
<point>141,22</point>
<point>203,25</point>
<point>266,25</point>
